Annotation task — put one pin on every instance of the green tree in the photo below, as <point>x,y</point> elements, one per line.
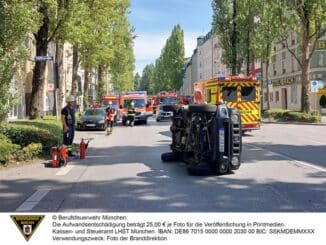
<point>308,20</point>
<point>169,67</point>
<point>53,14</point>
<point>137,81</point>
<point>268,29</point>
<point>18,19</point>
<point>147,79</point>
<point>226,23</point>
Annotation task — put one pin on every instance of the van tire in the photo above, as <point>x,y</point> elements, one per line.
<point>169,157</point>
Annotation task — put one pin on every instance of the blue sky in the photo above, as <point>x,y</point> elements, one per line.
<point>154,21</point>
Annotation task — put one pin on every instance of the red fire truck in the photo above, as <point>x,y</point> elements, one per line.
<point>166,98</point>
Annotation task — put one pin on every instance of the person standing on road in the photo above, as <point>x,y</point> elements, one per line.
<point>131,114</point>
<point>68,123</point>
<point>110,114</point>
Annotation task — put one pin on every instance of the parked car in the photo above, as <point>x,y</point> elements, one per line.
<point>163,112</point>
<point>92,118</point>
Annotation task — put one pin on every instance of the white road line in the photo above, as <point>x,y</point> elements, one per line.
<point>33,200</point>
<point>289,158</point>
<point>64,171</point>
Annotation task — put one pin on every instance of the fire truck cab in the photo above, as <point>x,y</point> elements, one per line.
<point>242,93</point>
<point>164,98</point>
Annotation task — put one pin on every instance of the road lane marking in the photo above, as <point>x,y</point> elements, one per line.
<point>288,158</point>
<point>33,200</point>
<point>64,171</point>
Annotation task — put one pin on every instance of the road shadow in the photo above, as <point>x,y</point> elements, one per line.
<point>155,186</point>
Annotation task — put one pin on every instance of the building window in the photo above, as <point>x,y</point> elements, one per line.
<point>274,58</point>
<point>265,97</point>
<point>294,94</point>
<point>293,42</point>
<point>321,59</point>
<point>283,44</point>
<point>274,70</point>
<point>283,55</point>
<point>283,68</point>
<point>271,96</point>
<point>277,96</point>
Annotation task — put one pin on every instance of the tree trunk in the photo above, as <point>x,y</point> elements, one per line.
<point>305,67</point>
<point>60,79</point>
<point>306,107</point>
<point>75,64</point>
<point>100,89</point>
<point>267,88</point>
<point>234,40</point>
<point>86,84</point>
<point>37,95</point>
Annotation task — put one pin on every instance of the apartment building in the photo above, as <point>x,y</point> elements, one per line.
<point>21,86</point>
<point>285,75</point>
<point>205,62</point>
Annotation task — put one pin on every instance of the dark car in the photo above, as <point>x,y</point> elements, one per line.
<point>92,118</point>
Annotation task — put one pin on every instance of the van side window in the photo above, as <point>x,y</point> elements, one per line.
<point>208,96</point>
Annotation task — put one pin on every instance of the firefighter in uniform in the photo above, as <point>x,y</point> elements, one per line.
<point>68,123</point>
<point>110,114</point>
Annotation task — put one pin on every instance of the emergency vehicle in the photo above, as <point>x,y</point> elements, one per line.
<point>164,98</point>
<point>242,93</point>
<point>139,99</point>
<point>114,98</point>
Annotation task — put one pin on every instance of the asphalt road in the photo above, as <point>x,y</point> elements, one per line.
<point>283,170</point>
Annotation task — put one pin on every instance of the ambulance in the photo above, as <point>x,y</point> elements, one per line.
<point>142,107</point>
<point>242,93</point>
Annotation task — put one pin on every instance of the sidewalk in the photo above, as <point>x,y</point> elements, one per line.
<point>323,119</point>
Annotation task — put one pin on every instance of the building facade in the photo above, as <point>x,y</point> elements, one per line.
<point>205,62</point>
<point>284,75</point>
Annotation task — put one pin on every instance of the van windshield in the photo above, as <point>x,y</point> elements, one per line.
<point>139,103</point>
<point>168,100</point>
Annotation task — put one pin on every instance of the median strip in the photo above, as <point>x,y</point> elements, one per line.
<point>33,200</point>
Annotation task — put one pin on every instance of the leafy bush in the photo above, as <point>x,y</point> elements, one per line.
<point>285,115</point>
<point>7,149</point>
<point>23,135</point>
<point>275,113</point>
<point>29,152</point>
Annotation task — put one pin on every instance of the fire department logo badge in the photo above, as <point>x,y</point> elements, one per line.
<point>27,224</point>
<point>27,229</point>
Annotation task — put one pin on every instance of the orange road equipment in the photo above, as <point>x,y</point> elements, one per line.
<point>55,156</point>
<point>59,156</point>
<point>82,150</point>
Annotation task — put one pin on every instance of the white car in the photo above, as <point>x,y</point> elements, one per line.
<point>163,114</point>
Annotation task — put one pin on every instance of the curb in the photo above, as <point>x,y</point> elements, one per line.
<point>296,123</point>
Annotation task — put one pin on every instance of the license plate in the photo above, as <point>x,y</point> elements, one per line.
<point>90,125</point>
